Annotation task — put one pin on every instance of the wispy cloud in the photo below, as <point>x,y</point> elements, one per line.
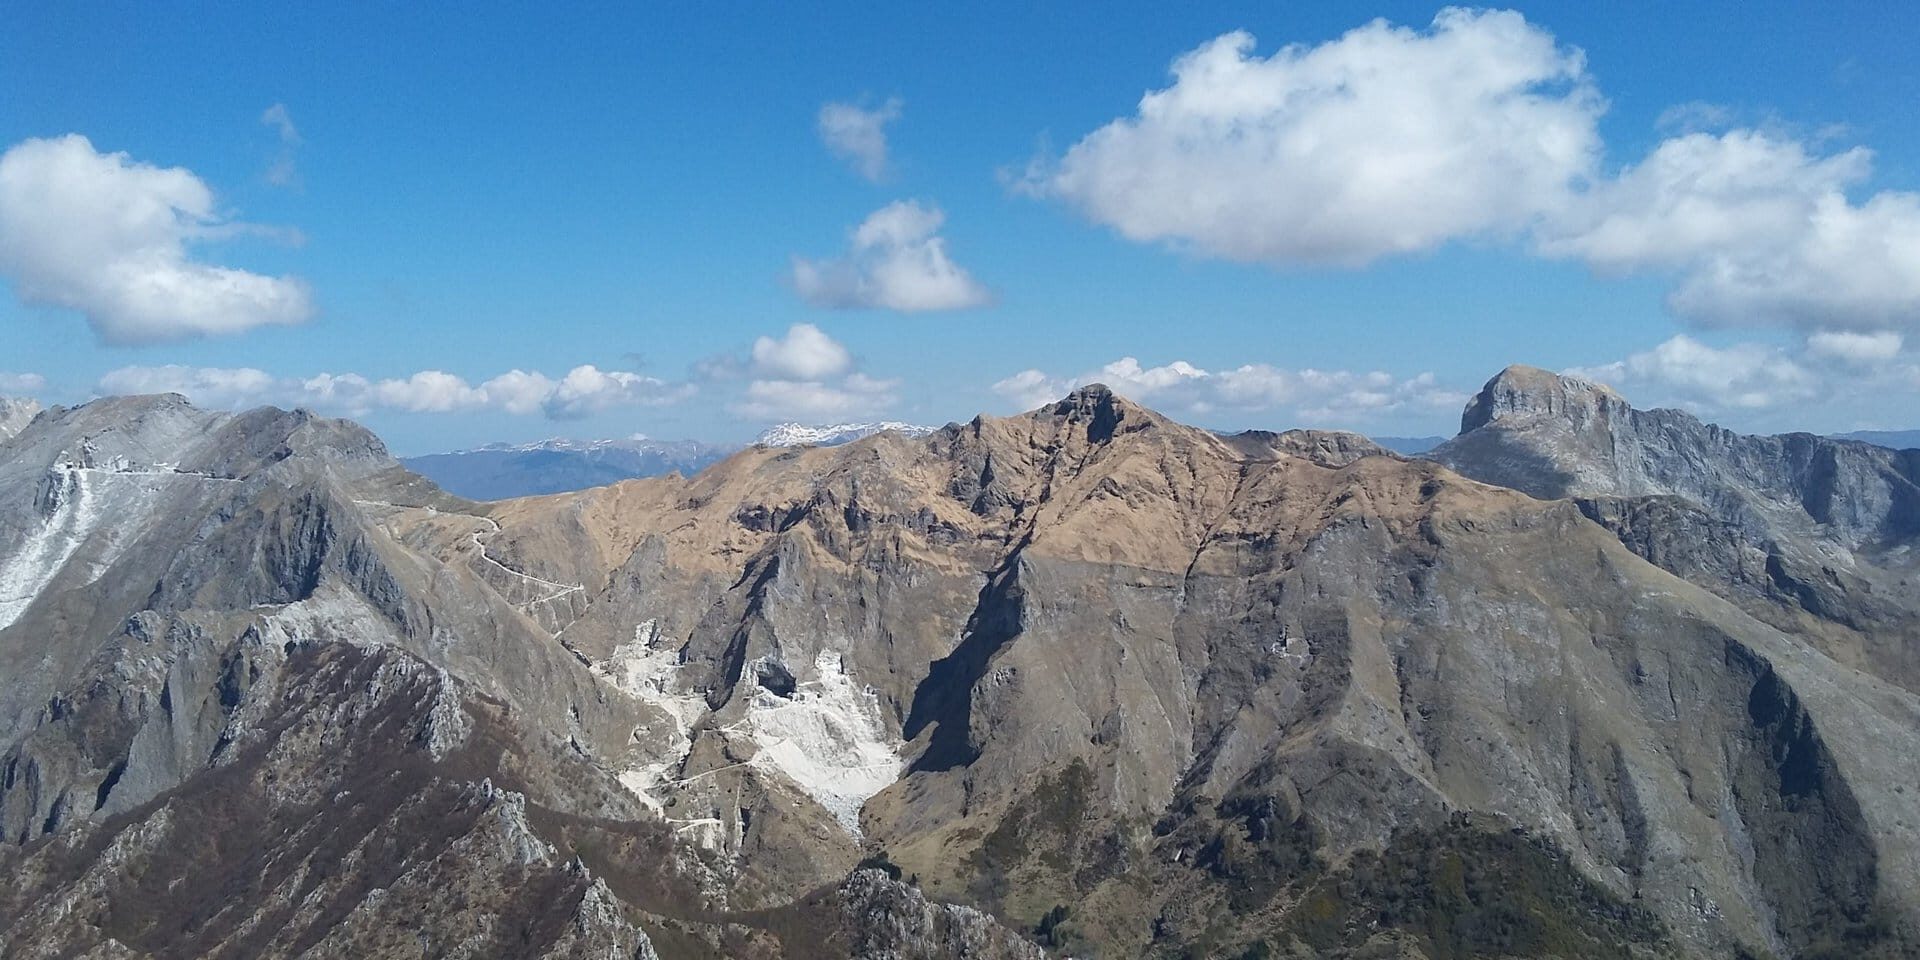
<point>282,172</point>
<point>858,134</point>
<point>21,384</point>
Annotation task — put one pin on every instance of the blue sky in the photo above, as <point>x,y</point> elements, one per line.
<point>638,189</point>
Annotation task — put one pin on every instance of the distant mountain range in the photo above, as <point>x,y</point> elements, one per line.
<point>1894,439</point>
<point>499,471</point>
<point>1409,446</point>
<point>801,435</point>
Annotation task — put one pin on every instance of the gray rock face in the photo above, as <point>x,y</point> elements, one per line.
<point>890,920</point>
<point>1092,680</point>
<point>268,695</point>
<point>1554,436</point>
<point>1812,534</point>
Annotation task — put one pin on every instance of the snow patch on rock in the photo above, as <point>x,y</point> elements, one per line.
<point>828,738</point>
<point>801,435</point>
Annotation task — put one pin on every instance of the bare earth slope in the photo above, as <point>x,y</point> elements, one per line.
<point>1127,686</point>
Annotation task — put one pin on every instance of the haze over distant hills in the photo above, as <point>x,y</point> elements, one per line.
<point>498,471</point>
<point>1894,439</point>
<point>1409,445</point>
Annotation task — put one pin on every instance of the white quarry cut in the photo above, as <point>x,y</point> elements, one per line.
<point>650,672</point>
<point>74,516</point>
<point>102,504</point>
<point>828,738</point>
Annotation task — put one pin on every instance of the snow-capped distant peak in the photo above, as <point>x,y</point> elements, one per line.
<point>561,443</point>
<point>799,435</point>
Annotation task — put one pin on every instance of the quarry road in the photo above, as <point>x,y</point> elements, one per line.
<point>489,529</point>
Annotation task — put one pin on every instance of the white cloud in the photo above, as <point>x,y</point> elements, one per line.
<point>429,391</point>
<point>1031,388</point>
<point>1694,116</point>
<point>805,353</point>
<point>587,390</point>
<point>230,387</point>
<point>1695,375</point>
<point>1758,230</point>
<point>521,392</point>
<point>1869,374</point>
<point>857,396</point>
<point>1326,396</point>
<point>805,375</point>
<point>897,261</point>
<point>1128,376</point>
<point>1856,348</point>
<point>584,390</point>
<point>858,134</point>
<point>108,236</point>
<point>282,173</point>
<point>21,384</point>
<point>1391,141</point>
<point>277,117</point>
<point>1384,141</point>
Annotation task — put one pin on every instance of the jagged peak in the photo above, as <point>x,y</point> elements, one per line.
<point>1101,410</point>
<point>1521,390</point>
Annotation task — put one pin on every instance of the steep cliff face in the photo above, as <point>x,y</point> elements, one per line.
<point>1128,687</point>
<point>1810,534</point>
<point>1554,436</point>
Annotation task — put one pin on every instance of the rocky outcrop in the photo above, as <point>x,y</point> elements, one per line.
<point>1554,436</point>
<point>1332,448</point>
<point>889,920</point>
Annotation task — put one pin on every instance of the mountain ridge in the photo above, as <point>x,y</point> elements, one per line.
<point>1126,684</point>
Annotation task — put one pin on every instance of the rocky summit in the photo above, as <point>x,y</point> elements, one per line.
<point>1586,681</point>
